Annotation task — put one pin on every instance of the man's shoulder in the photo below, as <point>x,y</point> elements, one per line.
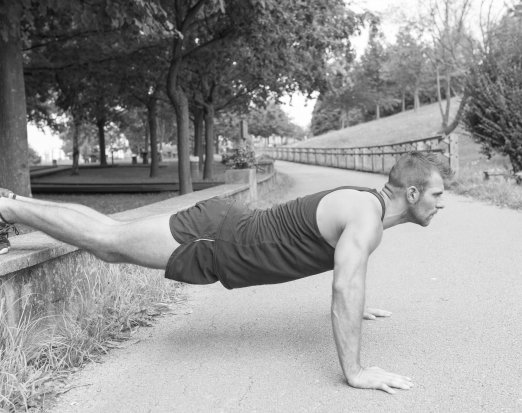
<point>352,204</point>
<point>352,210</point>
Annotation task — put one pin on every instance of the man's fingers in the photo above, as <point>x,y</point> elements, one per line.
<point>378,312</point>
<point>368,316</point>
<point>387,389</point>
<point>377,378</point>
<point>402,385</point>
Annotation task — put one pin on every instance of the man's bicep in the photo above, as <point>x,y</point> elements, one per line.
<point>358,240</point>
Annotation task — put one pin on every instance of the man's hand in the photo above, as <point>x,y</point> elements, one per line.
<point>372,313</point>
<point>379,379</point>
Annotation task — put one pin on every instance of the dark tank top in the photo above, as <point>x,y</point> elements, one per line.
<point>275,245</point>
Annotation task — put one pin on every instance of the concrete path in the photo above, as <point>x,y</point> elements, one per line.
<point>455,290</point>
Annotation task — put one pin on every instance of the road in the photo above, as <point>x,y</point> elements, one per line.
<point>455,290</point>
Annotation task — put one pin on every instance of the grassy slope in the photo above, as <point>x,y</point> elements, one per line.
<point>402,127</point>
<point>397,128</point>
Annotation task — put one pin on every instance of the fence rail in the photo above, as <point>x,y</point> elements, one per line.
<point>377,158</point>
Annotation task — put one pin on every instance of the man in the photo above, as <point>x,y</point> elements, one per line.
<point>220,240</point>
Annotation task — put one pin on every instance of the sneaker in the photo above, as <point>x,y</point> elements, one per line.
<point>4,231</point>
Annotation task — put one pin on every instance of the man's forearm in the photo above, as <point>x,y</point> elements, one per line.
<point>347,313</point>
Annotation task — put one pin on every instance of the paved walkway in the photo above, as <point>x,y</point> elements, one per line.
<point>455,290</point>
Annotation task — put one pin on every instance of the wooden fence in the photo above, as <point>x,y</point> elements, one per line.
<point>378,158</point>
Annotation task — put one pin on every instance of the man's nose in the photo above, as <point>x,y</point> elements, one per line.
<point>441,205</point>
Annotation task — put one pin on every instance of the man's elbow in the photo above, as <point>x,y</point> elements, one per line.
<point>343,284</point>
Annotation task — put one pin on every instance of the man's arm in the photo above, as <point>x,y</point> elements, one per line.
<point>352,251</point>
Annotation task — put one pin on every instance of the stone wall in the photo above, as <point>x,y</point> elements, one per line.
<point>48,274</point>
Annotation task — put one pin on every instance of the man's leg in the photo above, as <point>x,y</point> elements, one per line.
<point>147,242</point>
<point>77,207</point>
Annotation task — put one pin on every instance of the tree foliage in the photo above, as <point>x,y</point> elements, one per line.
<point>493,113</point>
<point>29,30</point>
<point>407,64</point>
<point>451,53</point>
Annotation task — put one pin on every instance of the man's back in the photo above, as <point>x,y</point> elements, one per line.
<point>283,243</point>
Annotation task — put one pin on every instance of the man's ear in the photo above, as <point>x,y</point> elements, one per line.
<point>412,194</point>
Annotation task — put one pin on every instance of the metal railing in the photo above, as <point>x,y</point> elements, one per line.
<point>377,158</point>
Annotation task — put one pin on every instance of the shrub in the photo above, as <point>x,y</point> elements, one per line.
<point>240,158</point>
<point>494,85</point>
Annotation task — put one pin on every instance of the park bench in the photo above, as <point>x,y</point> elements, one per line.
<point>517,177</point>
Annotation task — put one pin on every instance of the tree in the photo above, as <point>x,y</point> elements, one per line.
<point>493,111</point>
<point>326,116</point>
<point>19,22</point>
<point>144,74</point>
<point>452,50</point>
<point>371,72</point>
<point>270,121</point>
<point>14,162</point>
<point>260,49</point>
<point>407,64</point>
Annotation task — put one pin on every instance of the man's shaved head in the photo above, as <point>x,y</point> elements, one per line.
<point>416,169</point>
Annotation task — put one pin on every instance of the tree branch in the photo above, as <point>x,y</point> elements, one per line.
<point>214,40</point>
<point>59,66</point>
<point>65,38</point>
<point>191,15</point>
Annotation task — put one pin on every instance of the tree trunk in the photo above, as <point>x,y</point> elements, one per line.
<point>403,101</point>
<point>182,119</point>
<point>179,100</point>
<point>152,113</point>
<point>208,172</point>
<point>439,97</point>
<point>448,99</point>
<point>444,113</point>
<point>344,117</point>
<point>377,111</point>
<point>14,159</point>
<point>199,147</point>
<point>416,100</point>
<point>101,140</point>
<point>453,125</point>
<point>76,147</point>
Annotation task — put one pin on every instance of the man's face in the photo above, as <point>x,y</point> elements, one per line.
<point>428,203</point>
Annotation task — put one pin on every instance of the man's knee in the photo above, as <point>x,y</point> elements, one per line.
<point>108,241</point>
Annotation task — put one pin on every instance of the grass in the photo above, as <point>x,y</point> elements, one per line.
<point>401,127</point>
<point>424,123</point>
<point>38,354</point>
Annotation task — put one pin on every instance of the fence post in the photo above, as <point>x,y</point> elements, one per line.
<point>454,154</point>
<point>357,159</point>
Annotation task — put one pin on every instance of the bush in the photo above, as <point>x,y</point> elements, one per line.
<point>240,158</point>
<point>34,158</point>
<point>493,112</point>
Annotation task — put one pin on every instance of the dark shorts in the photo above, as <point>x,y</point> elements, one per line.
<point>197,229</point>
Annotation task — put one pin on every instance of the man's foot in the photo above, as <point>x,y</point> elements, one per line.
<point>4,242</point>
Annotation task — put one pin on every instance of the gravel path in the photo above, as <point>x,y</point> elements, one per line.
<point>455,291</point>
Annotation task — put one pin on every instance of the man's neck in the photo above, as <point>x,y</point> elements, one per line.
<point>396,211</point>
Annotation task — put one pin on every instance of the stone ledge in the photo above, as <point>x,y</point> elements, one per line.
<point>36,247</point>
